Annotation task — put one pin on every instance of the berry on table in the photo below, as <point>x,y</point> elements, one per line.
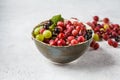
<point>106,20</point>
<point>115,44</point>
<point>96,46</point>
<point>96,18</point>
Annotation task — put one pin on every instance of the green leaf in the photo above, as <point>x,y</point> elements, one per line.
<point>56,18</point>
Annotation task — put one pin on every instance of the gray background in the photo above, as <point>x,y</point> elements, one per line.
<point>20,59</point>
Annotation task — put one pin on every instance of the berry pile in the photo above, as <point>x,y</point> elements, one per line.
<point>105,30</point>
<point>60,32</point>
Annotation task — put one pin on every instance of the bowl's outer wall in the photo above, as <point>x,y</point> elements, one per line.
<point>62,54</point>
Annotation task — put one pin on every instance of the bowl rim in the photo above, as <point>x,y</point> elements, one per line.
<point>40,24</point>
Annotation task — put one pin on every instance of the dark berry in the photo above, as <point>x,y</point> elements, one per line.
<point>115,44</point>
<point>96,46</point>
<point>117,38</point>
<point>49,23</point>
<point>57,30</point>
<point>110,42</point>
<point>46,26</point>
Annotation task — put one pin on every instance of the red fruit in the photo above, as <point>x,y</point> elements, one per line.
<point>114,34</point>
<point>74,41</point>
<point>74,32</point>
<point>59,43</point>
<point>115,44</point>
<point>119,32</point>
<point>81,39</point>
<point>75,23</point>
<point>106,20</point>
<point>94,23</point>
<point>67,34</point>
<point>97,29</point>
<point>61,29</point>
<point>56,39</point>
<point>52,42</point>
<point>92,43</point>
<point>96,18</point>
<point>96,46</point>
<point>61,35</point>
<point>70,38</point>
<point>60,23</point>
<point>42,30</point>
<point>105,37</point>
<point>78,28</point>
<point>68,22</point>
<point>110,42</point>
<point>69,29</point>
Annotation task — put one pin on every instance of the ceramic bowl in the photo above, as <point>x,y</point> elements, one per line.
<point>61,54</point>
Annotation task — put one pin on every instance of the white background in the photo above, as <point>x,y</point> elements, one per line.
<point>20,59</point>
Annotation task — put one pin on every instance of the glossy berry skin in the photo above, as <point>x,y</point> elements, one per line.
<point>52,42</point>
<point>96,46</point>
<point>115,44</point>
<point>74,41</point>
<point>47,34</point>
<point>92,43</point>
<point>117,38</point>
<point>46,26</point>
<point>61,35</point>
<point>96,18</point>
<point>105,37</point>
<point>70,38</point>
<point>81,39</point>
<point>106,20</point>
<point>96,37</point>
<point>74,32</point>
<point>42,30</point>
<point>78,28</point>
<point>60,23</point>
<point>110,42</point>
<point>61,42</point>
<point>57,30</point>
<point>40,37</point>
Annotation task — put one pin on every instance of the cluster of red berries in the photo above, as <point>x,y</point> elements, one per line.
<point>105,30</point>
<point>69,33</point>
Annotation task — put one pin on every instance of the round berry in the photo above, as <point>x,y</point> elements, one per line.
<point>81,39</point>
<point>106,20</point>
<point>96,46</point>
<point>39,37</point>
<point>105,37</point>
<point>42,30</point>
<point>115,44</point>
<point>61,35</point>
<point>96,18</point>
<point>78,28</point>
<point>57,30</point>
<point>96,37</point>
<point>36,31</point>
<point>74,41</point>
<point>92,43</point>
<point>70,38</point>
<point>60,23</point>
<point>110,42</point>
<point>47,34</point>
<point>74,32</point>
<point>52,42</point>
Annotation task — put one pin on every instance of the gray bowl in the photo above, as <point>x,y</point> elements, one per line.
<point>61,54</point>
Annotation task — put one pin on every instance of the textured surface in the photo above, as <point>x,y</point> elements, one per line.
<point>20,59</point>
